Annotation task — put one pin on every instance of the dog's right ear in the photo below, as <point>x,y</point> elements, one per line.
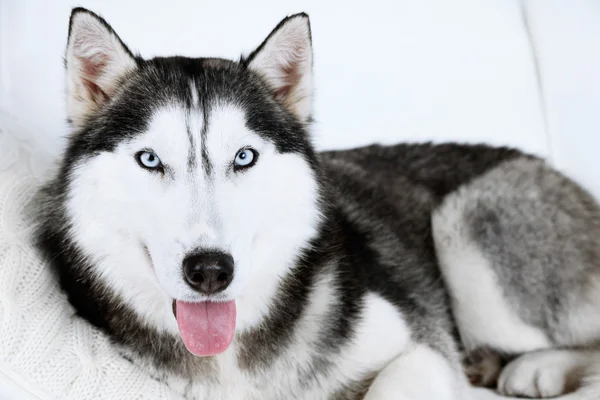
<point>96,62</point>
<point>284,60</point>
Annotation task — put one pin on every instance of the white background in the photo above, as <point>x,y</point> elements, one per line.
<point>522,73</point>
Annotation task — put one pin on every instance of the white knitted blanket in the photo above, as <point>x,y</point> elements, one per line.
<point>45,351</point>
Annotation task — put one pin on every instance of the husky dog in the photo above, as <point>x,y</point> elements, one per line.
<point>193,221</point>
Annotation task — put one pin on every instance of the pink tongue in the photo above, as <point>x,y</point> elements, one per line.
<point>206,328</point>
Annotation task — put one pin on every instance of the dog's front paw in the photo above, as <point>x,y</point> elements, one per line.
<point>541,374</point>
<point>482,366</point>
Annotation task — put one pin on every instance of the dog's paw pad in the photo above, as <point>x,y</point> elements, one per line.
<point>534,375</point>
<point>482,367</point>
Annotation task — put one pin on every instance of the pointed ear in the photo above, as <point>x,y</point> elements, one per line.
<point>96,61</point>
<point>284,60</point>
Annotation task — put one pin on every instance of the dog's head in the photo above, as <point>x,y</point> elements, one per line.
<point>189,181</point>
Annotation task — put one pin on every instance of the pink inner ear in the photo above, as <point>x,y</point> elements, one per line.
<point>92,68</point>
<point>291,79</point>
<point>96,94</point>
<point>291,76</point>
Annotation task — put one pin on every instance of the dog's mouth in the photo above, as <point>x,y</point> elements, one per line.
<point>206,328</point>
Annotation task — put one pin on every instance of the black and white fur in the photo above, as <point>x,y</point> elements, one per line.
<point>358,274</point>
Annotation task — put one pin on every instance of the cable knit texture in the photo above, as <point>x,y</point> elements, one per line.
<point>45,350</point>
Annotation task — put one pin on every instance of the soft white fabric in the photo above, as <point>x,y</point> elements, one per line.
<point>45,351</point>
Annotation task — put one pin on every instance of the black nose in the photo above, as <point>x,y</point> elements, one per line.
<point>208,272</point>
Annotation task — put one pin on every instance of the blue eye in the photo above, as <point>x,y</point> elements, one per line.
<point>149,160</point>
<point>245,158</point>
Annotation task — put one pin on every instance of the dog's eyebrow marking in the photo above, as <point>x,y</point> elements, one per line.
<point>192,150</point>
<point>193,107</point>
<point>203,149</point>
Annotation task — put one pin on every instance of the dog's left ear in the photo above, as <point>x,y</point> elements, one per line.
<point>284,60</point>
<point>96,62</point>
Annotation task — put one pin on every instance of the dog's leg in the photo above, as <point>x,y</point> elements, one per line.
<point>518,252</point>
<point>420,374</point>
<point>547,373</point>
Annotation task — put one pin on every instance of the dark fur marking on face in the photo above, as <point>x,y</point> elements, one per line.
<point>192,151</point>
<point>203,134</point>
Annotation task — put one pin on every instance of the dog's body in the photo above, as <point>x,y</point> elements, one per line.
<point>338,275</point>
